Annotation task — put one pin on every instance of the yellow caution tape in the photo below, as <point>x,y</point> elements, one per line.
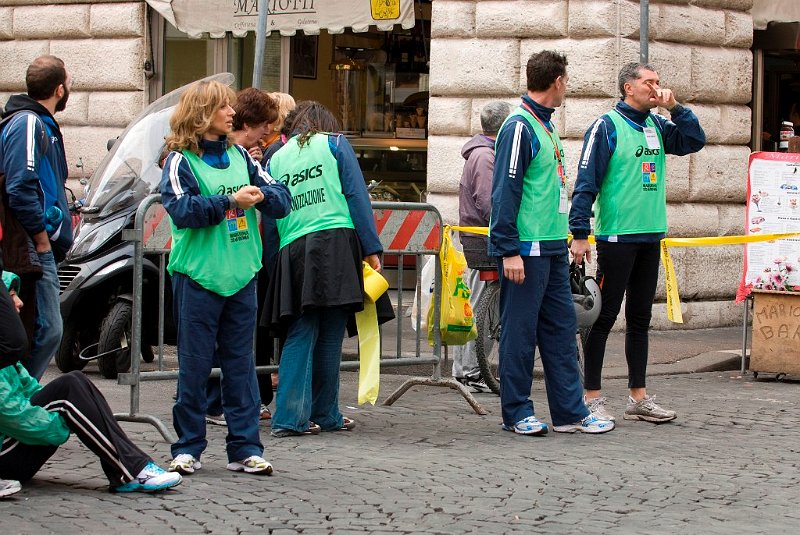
<point>369,338</point>
<point>483,231</point>
<point>369,349</point>
<point>673,297</point>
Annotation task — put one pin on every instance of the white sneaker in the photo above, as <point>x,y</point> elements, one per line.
<point>215,419</point>
<point>9,487</point>
<point>252,465</point>
<point>597,407</point>
<point>185,464</point>
<point>590,424</point>
<point>648,410</point>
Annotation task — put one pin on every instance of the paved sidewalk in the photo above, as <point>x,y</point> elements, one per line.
<point>428,464</point>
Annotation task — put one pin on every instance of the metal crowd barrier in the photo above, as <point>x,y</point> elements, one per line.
<point>405,229</point>
<point>415,229</point>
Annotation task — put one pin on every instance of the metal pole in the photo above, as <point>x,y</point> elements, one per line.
<point>644,29</point>
<point>261,43</point>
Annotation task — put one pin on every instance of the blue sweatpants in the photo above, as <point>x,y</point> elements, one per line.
<point>539,312</point>
<point>208,322</point>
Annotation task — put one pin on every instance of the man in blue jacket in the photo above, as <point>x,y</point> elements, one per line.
<point>528,234</point>
<point>35,168</point>
<point>623,167</point>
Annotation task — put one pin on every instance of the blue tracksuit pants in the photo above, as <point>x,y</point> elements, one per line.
<point>209,323</point>
<point>539,312</point>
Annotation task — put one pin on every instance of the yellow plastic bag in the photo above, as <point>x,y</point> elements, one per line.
<point>457,325</point>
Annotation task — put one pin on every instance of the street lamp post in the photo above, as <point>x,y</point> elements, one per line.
<point>644,17</point>
<point>261,43</point>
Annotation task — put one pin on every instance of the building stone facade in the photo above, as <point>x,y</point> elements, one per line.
<point>478,52</point>
<point>700,48</point>
<point>103,46</point>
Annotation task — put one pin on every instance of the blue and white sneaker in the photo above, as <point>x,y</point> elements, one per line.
<point>590,424</point>
<point>151,479</point>
<point>527,426</point>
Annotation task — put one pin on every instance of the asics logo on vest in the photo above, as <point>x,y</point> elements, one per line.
<point>647,152</point>
<point>302,176</point>
<point>222,190</point>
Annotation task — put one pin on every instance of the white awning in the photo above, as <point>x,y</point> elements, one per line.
<point>766,11</point>
<point>215,17</point>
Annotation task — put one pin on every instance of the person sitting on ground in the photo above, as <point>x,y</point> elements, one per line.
<point>35,420</point>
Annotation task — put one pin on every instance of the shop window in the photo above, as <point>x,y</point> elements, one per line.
<point>185,59</point>
<point>241,57</point>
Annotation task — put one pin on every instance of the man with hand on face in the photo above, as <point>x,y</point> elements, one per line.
<point>528,234</point>
<point>623,167</point>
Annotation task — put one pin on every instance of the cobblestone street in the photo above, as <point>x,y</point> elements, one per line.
<point>429,464</point>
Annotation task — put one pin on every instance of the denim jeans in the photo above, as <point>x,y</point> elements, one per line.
<point>539,312</point>
<point>49,325</point>
<point>309,370</point>
<point>209,323</point>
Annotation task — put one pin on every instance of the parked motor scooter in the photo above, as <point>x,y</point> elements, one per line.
<point>96,278</point>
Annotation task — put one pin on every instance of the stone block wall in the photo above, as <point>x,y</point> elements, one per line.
<point>701,49</point>
<point>103,46</point>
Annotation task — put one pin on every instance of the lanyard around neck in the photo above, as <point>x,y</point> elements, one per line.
<point>561,174</point>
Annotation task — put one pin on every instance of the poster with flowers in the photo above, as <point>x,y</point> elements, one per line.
<point>773,195</point>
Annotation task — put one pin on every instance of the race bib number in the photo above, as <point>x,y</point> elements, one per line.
<point>651,137</point>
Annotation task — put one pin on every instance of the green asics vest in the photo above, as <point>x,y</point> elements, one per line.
<point>312,176</point>
<point>222,258</point>
<point>538,218</point>
<point>633,197</point>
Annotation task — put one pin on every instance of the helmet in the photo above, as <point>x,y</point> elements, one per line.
<point>585,296</point>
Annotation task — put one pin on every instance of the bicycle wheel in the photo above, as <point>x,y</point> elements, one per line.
<point>487,345</point>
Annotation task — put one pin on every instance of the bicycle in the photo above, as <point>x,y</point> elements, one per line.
<point>487,319</point>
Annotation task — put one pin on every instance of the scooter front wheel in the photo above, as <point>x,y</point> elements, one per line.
<point>68,355</point>
<point>115,335</point>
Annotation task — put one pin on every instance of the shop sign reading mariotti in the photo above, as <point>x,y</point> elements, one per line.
<point>285,16</point>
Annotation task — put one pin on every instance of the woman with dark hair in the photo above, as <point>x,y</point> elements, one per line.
<point>209,188</point>
<point>317,279</point>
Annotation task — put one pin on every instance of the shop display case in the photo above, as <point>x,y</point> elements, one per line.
<point>377,98</point>
<point>399,166</point>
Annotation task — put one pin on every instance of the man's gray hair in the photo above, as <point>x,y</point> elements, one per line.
<point>493,115</point>
<point>631,72</point>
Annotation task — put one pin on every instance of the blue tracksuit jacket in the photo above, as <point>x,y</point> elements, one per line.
<point>682,135</point>
<point>33,161</point>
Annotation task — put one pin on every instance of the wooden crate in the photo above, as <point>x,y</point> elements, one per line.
<point>776,333</point>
